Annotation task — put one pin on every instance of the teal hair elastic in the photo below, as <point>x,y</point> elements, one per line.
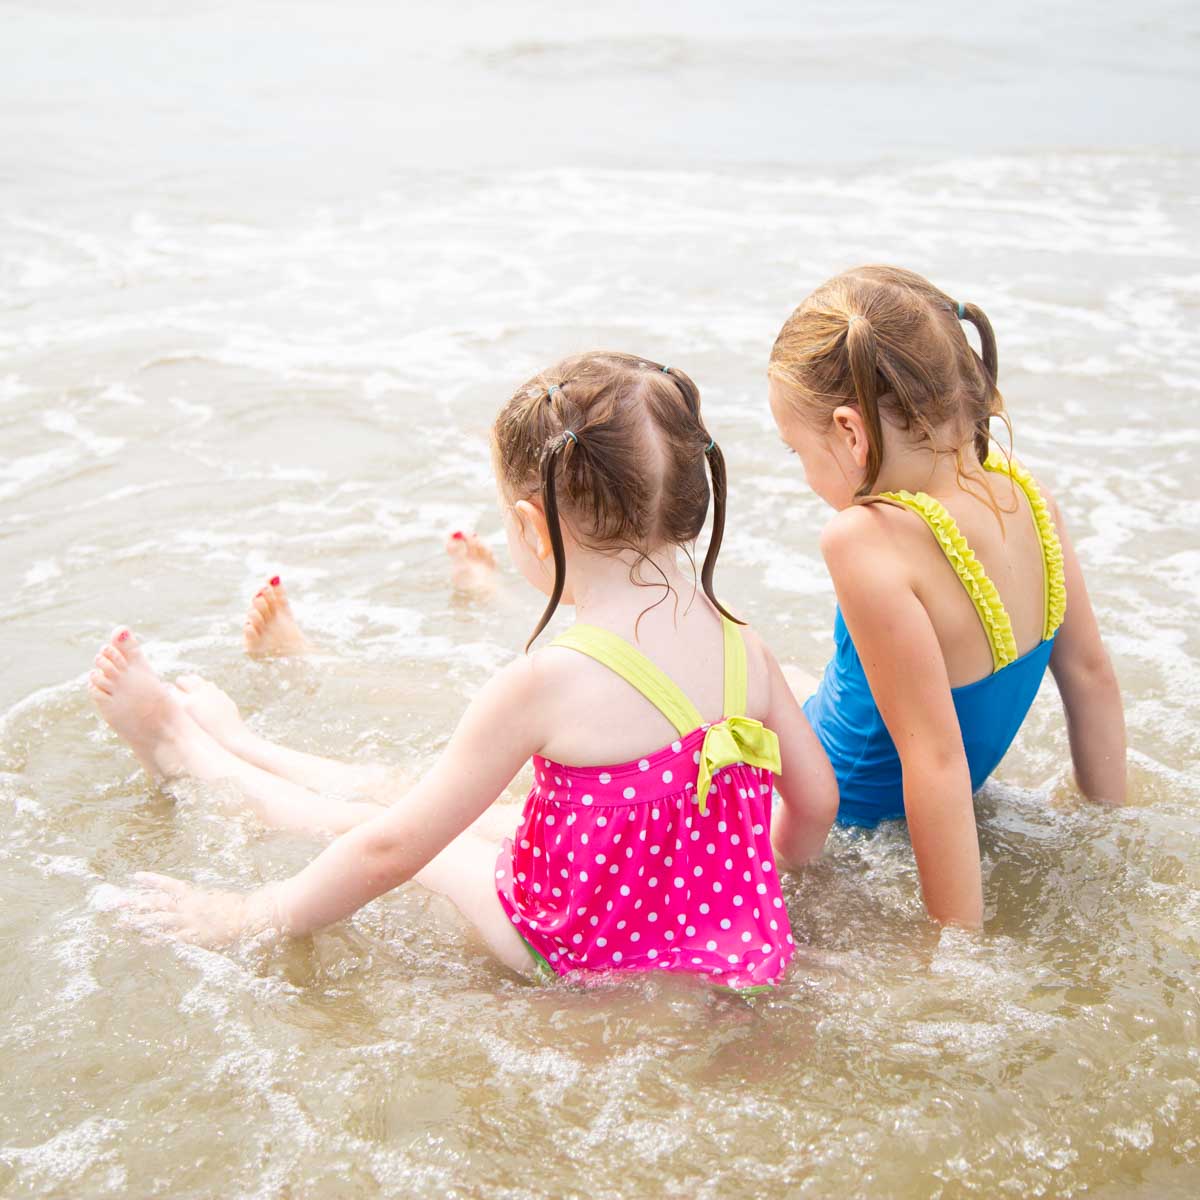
<point>962,310</point>
<point>711,443</point>
<point>665,370</point>
<point>551,390</point>
<point>567,433</point>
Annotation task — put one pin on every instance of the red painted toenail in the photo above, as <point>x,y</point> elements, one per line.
<point>275,581</point>
<point>122,635</point>
<point>459,536</point>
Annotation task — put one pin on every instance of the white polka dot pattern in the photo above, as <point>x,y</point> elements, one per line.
<point>669,888</point>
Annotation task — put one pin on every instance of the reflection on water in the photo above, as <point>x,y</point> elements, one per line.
<point>193,396</point>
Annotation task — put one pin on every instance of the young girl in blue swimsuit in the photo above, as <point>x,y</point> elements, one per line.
<point>956,582</point>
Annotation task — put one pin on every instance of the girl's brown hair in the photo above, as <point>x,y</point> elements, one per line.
<point>616,445</point>
<point>889,342</point>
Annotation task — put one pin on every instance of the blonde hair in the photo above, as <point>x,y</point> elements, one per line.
<point>887,341</point>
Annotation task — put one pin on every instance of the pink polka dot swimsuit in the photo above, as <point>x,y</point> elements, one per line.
<point>660,864</point>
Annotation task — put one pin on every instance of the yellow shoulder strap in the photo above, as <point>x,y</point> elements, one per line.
<point>993,616</point>
<point>1052,557</point>
<point>735,670</point>
<point>637,670</point>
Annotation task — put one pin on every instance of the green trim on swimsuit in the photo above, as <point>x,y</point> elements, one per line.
<point>544,971</point>
<point>547,974</point>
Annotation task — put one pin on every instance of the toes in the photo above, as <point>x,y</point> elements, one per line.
<point>469,546</point>
<point>261,605</point>
<point>124,643</point>
<point>480,552</point>
<point>110,655</point>
<point>98,684</point>
<point>189,683</point>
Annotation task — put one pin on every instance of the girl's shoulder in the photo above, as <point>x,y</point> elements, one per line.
<point>872,543</point>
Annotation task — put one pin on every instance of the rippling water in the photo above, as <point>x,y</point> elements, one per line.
<point>265,277</point>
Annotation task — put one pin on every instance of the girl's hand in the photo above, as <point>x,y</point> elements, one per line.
<point>179,910</point>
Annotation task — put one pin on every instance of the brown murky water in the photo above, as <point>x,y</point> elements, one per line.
<point>209,374</point>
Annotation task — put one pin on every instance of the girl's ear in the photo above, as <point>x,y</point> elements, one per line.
<point>533,521</point>
<point>851,431</point>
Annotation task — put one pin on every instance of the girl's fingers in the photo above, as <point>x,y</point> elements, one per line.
<point>145,902</point>
<point>159,920</point>
<point>163,883</point>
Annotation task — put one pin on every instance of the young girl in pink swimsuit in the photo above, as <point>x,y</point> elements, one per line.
<point>647,841</point>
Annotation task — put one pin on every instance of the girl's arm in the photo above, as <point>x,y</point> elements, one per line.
<point>501,728</point>
<point>1088,686</point>
<point>904,666</point>
<point>806,784</point>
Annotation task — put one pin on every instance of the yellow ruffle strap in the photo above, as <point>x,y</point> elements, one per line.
<point>735,740</point>
<point>992,613</point>
<point>1052,555</point>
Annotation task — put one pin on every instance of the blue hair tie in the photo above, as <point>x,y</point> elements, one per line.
<point>962,311</point>
<point>567,433</point>
<point>665,370</point>
<point>711,444</point>
<point>552,389</point>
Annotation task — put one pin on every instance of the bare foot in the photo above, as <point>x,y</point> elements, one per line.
<point>270,629</point>
<point>139,706</point>
<point>212,709</point>
<point>472,564</point>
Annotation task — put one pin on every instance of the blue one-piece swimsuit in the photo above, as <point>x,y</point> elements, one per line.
<point>843,712</point>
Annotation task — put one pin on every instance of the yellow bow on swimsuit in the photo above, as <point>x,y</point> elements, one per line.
<point>735,740</point>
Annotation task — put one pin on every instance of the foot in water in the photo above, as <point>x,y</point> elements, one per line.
<point>212,709</point>
<point>472,564</point>
<point>270,629</point>
<point>143,710</point>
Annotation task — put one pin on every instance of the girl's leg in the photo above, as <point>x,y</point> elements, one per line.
<point>472,565</point>
<point>270,629</point>
<point>216,713</point>
<point>800,681</point>
<point>498,822</point>
<point>148,715</point>
<point>465,873</point>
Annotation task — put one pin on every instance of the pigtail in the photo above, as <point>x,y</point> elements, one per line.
<point>551,457</point>
<point>862,354</point>
<point>720,487</point>
<point>577,436</point>
<point>716,466</point>
<point>687,389</point>
<point>991,367</point>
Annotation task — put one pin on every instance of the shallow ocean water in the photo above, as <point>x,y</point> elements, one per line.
<point>264,281</point>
